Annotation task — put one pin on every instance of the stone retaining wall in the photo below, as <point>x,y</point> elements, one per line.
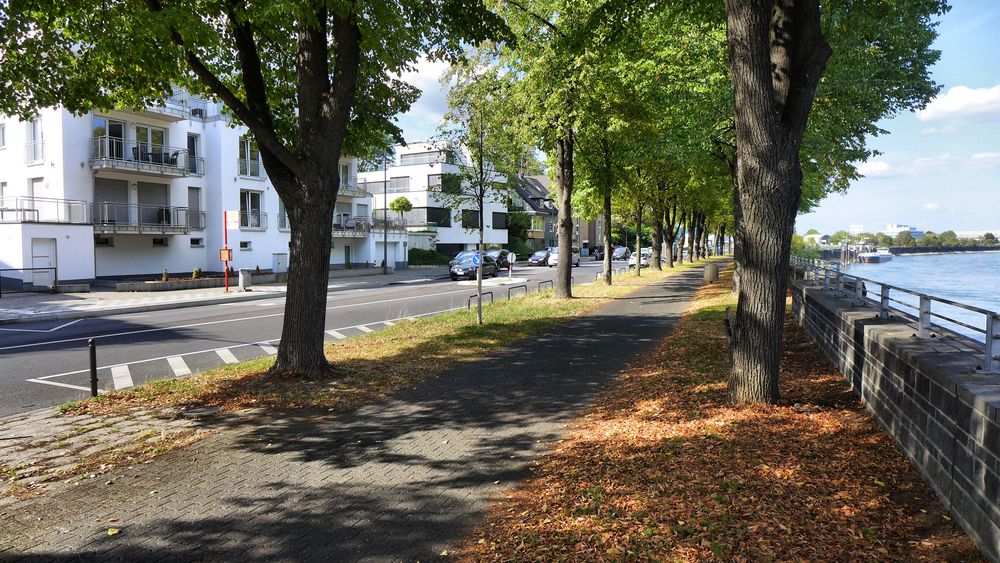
<point>926,393</point>
<point>256,279</point>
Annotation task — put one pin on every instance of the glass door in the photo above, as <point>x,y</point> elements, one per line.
<point>150,144</point>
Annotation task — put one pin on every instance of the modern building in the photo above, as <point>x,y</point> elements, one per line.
<point>118,194</point>
<point>894,229</point>
<point>536,203</point>
<point>416,174</point>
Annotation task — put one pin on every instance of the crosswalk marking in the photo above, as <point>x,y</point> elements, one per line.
<point>336,334</point>
<point>388,323</point>
<point>179,366</point>
<point>267,348</point>
<point>226,355</point>
<point>121,376</point>
<point>363,328</point>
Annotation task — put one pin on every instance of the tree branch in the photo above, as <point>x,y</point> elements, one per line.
<point>537,17</point>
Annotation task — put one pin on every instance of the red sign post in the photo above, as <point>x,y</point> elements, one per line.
<point>230,219</point>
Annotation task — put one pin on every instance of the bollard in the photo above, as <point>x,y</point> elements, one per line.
<point>93,367</point>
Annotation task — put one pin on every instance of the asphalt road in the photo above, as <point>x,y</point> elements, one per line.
<point>46,363</point>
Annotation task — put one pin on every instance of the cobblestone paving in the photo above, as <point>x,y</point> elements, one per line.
<point>403,479</point>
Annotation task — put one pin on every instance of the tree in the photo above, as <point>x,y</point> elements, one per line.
<point>839,237</point>
<point>812,232</point>
<point>989,239</point>
<point>930,239</point>
<point>904,238</point>
<point>778,55</point>
<point>882,239</point>
<point>306,78</point>
<point>949,238</point>
<point>401,205</point>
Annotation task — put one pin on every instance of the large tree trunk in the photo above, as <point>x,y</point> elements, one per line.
<point>607,236</point>
<point>670,231</point>
<point>692,234</point>
<point>564,201</point>
<point>479,270</point>
<point>638,240</point>
<point>301,348</point>
<point>777,55</point>
<point>681,232</point>
<point>657,236</point>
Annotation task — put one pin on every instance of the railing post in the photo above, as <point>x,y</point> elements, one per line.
<point>859,289</point>
<point>93,367</point>
<point>884,302</point>
<point>992,363</point>
<point>826,278</point>
<point>925,316</point>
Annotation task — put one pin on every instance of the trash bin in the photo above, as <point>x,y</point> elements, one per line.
<point>245,280</point>
<point>711,273</point>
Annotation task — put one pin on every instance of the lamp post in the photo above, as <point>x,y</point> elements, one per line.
<point>385,213</point>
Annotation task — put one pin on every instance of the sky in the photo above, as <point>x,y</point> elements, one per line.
<point>939,168</point>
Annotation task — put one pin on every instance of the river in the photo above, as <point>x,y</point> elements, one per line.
<point>972,278</point>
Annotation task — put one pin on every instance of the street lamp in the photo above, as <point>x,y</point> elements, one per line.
<point>385,213</point>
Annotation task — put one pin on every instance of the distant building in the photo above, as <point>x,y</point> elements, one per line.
<point>893,230</point>
<point>976,235</point>
<point>536,203</point>
<point>817,238</point>
<point>856,229</point>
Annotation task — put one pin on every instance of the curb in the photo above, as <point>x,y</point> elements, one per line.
<point>70,315</point>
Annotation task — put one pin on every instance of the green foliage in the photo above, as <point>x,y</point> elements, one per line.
<point>519,247</point>
<point>989,239</point>
<point>882,239</point>
<point>949,238</point>
<point>518,224</point>
<point>421,257</point>
<point>930,239</point>
<point>401,205</point>
<point>812,232</point>
<point>803,250</point>
<point>904,238</point>
<point>839,237</point>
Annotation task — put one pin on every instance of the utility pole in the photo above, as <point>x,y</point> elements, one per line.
<point>385,212</point>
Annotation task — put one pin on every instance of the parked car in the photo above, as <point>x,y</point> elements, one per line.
<point>539,258</point>
<point>467,270</point>
<point>643,257</point>
<point>461,256</point>
<point>621,253</point>
<point>502,256</point>
<point>554,257</point>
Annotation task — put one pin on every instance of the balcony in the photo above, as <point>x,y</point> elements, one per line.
<point>249,168</point>
<point>44,210</point>
<point>196,165</point>
<point>196,220</point>
<point>145,158</point>
<point>357,227</point>
<point>34,152</point>
<point>351,190</point>
<point>110,217</point>
<point>395,225</point>
<point>253,221</point>
<point>175,108</point>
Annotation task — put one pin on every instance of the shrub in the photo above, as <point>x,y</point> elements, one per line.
<point>421,257</point>
<point>196,274</point>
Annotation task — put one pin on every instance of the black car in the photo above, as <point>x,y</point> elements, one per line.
<point>461,256</point>
<point>539,258</point>
<point>502,256</point>
<point>464,268</point>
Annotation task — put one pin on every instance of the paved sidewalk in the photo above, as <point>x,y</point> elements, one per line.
<point>404,479</point>
<point>34,307</point>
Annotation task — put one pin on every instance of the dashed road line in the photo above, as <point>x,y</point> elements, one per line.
<point>226,356</point>
<point>363,328</point>
<point>267,348</point>
<point>336,334</point>
<point>179,366</point>
<point>121,376</point>
<point>388,323</point>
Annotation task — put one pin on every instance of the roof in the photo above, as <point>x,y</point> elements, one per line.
<point>534,190</point>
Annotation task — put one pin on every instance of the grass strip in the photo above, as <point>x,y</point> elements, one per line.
<point>663,468</point>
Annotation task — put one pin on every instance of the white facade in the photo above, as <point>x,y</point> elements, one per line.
<point>131,193</point>
<point>894,229</point>
<point>417,168</point>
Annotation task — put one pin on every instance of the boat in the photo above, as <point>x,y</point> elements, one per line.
<point>880,255</point>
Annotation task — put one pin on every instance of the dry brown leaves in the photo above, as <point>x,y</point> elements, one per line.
<point>664,469</point>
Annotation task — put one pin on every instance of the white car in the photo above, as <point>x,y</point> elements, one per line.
<point>554,256</point>
<point>644,257</point>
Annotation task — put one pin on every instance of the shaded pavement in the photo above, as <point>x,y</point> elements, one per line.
<point>405,478</point>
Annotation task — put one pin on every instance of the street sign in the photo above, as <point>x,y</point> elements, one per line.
<point>476,260</point>
<point>226,254</point>
<point>232,220</point>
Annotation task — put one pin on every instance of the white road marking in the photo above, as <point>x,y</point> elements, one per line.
<point>225,321</point>
<point>179,366</point>
<point>58,384</point>
<point>121,376</point>
<point>336,334</point>
<point>410,318</point>
<point>226,355</point>
<point>39,330</point>
<point>363,328</point>
<point>388,323</point>
<point>267,348</point>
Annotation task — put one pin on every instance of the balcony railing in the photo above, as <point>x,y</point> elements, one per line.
<point>112,152</point>
<point>395,225</point>
<point>253,220</point>
<point>34,152</point>
<point>110,217</point>
<point>196,165</point>
<point>249,167</point>
<point>345,226</point>
<point>43,210</point>
<point>351,190</point>
<point>196,220</point>
<point>179,107</point>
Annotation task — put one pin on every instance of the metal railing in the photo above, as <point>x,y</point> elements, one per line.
<point>113,217</point>
<point>43,210</point>
<point>196,165</point>
<point>112,152</point>
<point>395,225</point>
<point>34,152</point>
<point>351,190</point>
<point>351,226</point>
<point>196,220</point>
<point>927,312</point>
<point>253,220</point>
<point>249,167</point>
<point>28,279</point>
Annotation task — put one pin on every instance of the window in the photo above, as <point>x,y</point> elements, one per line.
<point>537,223</point>
<point>197,243</point>
<point>249,158</point>
<point>445,183</point>
<point>3,136</point>
<point>470,218</point>
<point>362,210</point>
<point>250,215</point>
<point>282,215</point>
<point>440,216</point>
<point>246,245</point>
<point>3,192</point>
<point>499,220</point>
<point>195,163</point>
<point>104,241</point>
<point>429,157</point>
<point>345,174</point>
<point>160,241</point>
<point>34,148</point>
<point>400,184</point>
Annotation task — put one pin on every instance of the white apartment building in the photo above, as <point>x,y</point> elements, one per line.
<point>119,194</point>
<point>415,173</point>
<point>894,229</point>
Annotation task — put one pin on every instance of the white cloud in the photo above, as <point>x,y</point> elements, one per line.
<point>939,130</point>
<point>942,163</point>
<point>961,102</point>
<point>932,206</point>
<point>875,168</point>
<point>420,123</point>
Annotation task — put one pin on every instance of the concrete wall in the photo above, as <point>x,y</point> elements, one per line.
<point>926,394</point>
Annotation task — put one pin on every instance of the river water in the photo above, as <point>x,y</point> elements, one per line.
<point>972,278</point>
